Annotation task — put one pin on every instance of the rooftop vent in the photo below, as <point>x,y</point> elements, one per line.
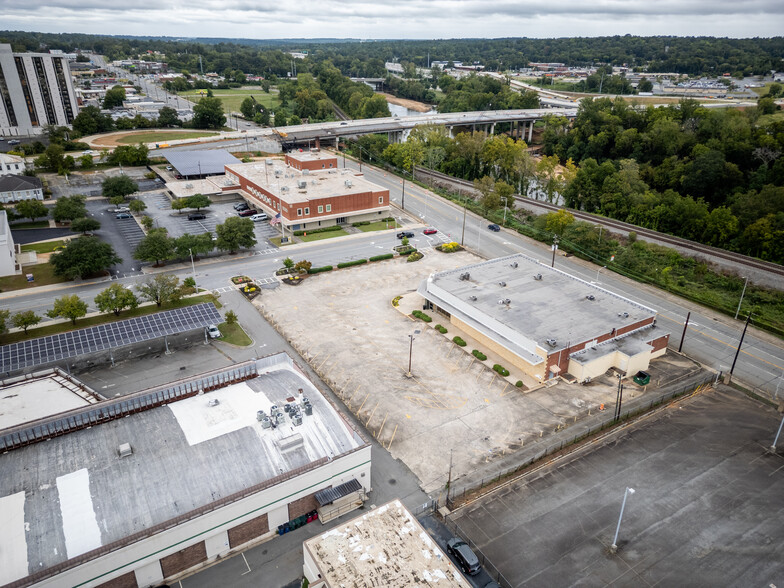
<point>348,183</point>
<point>623,314</point>
<point>188,186</point>
<point>513,264</point>
<point>472,298</point>
<point>538,277</point>
<point>465,276</point>
<point>502,284</point>
<point>302,184</point>
<point>552,342</point>
<point>305,172</point>
<point>124,450</point>
<point>590,297</point>
<point>269,162</point>
<point>506,301</point>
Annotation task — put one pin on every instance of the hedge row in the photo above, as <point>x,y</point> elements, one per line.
<point>441,329</point>
<point>501,370</point>
<point>479,355</point>
<point>459,341</point>
<point>382,257</point>
<point>321,230</point>
<point>318,270</point>
<point>422,316</point>
<point>350,263</point>
<point>360,224</point>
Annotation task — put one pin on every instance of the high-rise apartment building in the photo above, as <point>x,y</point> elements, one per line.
<point>35,91</point>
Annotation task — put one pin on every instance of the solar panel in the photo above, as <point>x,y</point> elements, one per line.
<point>36,352</point>
<point>201,163</point>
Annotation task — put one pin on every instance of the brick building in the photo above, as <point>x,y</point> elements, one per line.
<point>309,199</point>
<point>170,479</point>
<point>311,160</point>
<point>546,322</point>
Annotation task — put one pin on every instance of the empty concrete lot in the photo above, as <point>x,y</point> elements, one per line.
<point>343,323</point>
<point>707,510</point>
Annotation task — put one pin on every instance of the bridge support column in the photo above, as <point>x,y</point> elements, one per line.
<point>318,143</point>
<point>337,143</point>
<point>451,132</point>
<point>530,131</point>
<point>492,129</point>
<point>404,135</point>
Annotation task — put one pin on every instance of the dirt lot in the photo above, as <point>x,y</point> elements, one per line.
<point>343,323</point>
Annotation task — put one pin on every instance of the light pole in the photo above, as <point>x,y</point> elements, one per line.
<point>614,546</point>
<point>193,269</point>
<point>411,349</point>
<point>506,198</point>
<point>746,283</point>
<point>598,270</point>
<point>773,447</point>
<point>465,210</point>
<point>555,248</point>
<point>742,335</point>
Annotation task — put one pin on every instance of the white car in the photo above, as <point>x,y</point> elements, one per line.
<point>259,217</point>
<point>120,209</point>
<point>213,332</point>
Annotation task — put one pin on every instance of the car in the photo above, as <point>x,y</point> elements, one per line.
<point>213,332</point>
<point>241,206</point>
<point>343,123</point>
<point>124,215</point>
<point>466,558</point>
<point>178,176</point>
<point>197,216</point>
<point>14,142</point>
<point>405,235</point>
<point>494,227</point>
<point>120,209</point>
<point>492,584</point>
<point>246,212</point>
<point>259,217</point>
<point>430,231</point>
<point>169,168</point>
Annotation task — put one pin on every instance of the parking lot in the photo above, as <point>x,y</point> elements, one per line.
<point>453,409</point>
<point>706,510</point>
<point>177,223</point>
<point>122,234</point>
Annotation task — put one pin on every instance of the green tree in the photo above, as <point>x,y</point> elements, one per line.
<point>31,209</point>
<point>198,201</point>
<point>235,233</point>
<point>25,319</point>
<point>157,246</point>
<point>4,314</point>
<point>179,204</point>
<point>83,257</point>
<point>68,307</point>
<point>248,108</point>
<point>69,208</point>
<point>52,159</point>
<point>85,225</point>
<point>161,289</point>
<point>116,298</point>
<point>288,263</point>
<point>208,113</point>
<point>489,199</point>
<point>147,222</point>
<point>90,121</point>
<point>556,222</point>
<point>645,85</point>
<point>137,206</point>
<point>132,155</point>
<point>86,161</point>
<point>231,317</point>
<point>114,97</point>
<point>167,117</point>
<point>119,186</point>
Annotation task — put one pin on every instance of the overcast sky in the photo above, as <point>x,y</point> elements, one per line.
<point>409,19</point>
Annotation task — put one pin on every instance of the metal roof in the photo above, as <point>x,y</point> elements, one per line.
<point>43,350</point>
<point>332,494</point>
<point>208,162</point>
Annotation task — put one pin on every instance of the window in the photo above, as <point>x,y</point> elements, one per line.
<point>299,212</point>
<point>381,200</point>
<point>322,166</point>
<point>329,208</point>
<point>320,209</point>
<point>330,165</point>
<point>307,211</point>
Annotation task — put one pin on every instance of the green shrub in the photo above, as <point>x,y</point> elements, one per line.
<point>501,370</point>
<point>422,316</point>
<point>415,256</point>
<point>459,341</point>
<point>318,270</point>
<point>441,329</point>
<point>388,219</point>
<point>382,257</point>
<point>351,263</point>
<point>405,250</point>
<point>449,247</point>
<point>321,230</point>
<point>360,224</point>
<point>479,355</point>
<point>519,383</point>
<point>396,300</point>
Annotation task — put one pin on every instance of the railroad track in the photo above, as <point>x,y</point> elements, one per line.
<point>609,223</point>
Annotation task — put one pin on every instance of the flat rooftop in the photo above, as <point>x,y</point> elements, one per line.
<point>201,162</point>
<point>383,547</point>
<point>72,494</point>
<point>504,296</point>
<point>312,156</point>
<point>31,399</point>
<point>284,181</point>
<point>208,186</point>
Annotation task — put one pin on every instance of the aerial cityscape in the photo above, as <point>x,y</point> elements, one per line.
<point>358,295</point>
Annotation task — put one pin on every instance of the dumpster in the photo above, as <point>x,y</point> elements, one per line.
<point>642,378</point>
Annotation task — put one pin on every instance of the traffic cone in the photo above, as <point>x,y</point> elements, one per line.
<point>601,406</point>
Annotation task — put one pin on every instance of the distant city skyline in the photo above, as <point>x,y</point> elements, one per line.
<point>404,19</point>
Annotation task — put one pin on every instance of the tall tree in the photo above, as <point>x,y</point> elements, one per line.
<point>115,299</point>
<point>31,209</point>
<point>161,289</point>
<point>69,208</point>
<point>235,233</point>
<point>119,186</point>
<point>114,97</point>
<point>157,246</point>
<point>85,225</point>
<point>83,257</point>
<point>68,307</point>
<point>25,319</point>
<point>208,113</point>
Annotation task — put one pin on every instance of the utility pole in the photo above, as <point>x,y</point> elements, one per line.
<point>746,283</point>
<point>449,478</point>
<point>555,248</point>
<point>465,210</point>
<point>403,204</point>
<point>683,336</point>
<point>746,326</point>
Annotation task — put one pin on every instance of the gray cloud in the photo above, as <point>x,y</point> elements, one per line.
<point>398,19</point>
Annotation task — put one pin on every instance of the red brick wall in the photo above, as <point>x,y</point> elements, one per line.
<point>184,559</point>
<point>302,506</point>
<point>660,343</point>
<point>326,163</point>
<point>248,530</point>
<point>125,581</point>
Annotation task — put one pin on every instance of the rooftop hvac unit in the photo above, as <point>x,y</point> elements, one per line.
<point>502,284</point>
<point>473,298</point>
<point>538,277</point>
<point>552,342</point>
<point>124,450</point>
<point>507,301</point>
<point>213,402</point>
<point>284,189</point>
<point>302,184</point>
<point>348,183</point>
<point>269,162</point>
<point>305,172</point>
<point>465,276</point>
<point>514,264</point>
<point>277,173</point>
<point>314,182</point>
<point>623,314</point>
<point>590,297</point>
<point>188,186</point>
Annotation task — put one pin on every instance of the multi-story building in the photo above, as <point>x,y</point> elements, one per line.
<point>8,265</point>
<point>11,164</point>
<point>14,188</point>
<point>35,90</point>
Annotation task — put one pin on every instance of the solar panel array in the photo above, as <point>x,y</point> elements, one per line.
<point>44,350</point>
<point>201,163</point>
<point>109,410</point>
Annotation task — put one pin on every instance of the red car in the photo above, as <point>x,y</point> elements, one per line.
<point>246,212</point>
<point>430,231</point>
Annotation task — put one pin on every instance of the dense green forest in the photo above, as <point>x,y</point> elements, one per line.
<point>687,55</point>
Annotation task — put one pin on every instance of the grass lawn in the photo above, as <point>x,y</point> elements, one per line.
<point>379,226</point>
<point>44,246</point>
<point>103,318</point>
<point>767,119</point>
<point>277,243</point>
<point>233,97</point>
<point>43,273</point>
<point>234,334</point>
<point>44,224</point>
<point>763,90</point>
<point>321,236</point>
<point>160,136</point>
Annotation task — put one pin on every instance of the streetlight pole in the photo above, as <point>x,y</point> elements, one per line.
<point>614,546</point>
<point>403,204</point>
<point>465,210</point>
<point>746,283</point>
<point>598,270</point>
<point>193,269</point>
<point>773,447</point>
<point>555,248</point>
<point>411,349</point>
<point>737,353</point>
<point>505,207</point>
